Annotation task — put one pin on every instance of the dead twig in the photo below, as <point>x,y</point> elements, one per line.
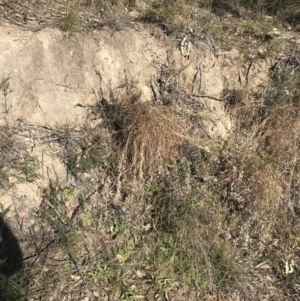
<point>197,78</point>
<point>206,96</point>
<point>55,21</point>
<point>248,71</point>
<point>77,267</point>
<point>154,90</point>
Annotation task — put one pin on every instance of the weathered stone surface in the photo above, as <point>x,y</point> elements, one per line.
<point>51,73</point>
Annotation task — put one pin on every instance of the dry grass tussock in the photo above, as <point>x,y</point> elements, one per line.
<point>281,133</point>
<point>147,136</point>
<point>279,137</point>
<point>266,182</point>
<point>265,194</point>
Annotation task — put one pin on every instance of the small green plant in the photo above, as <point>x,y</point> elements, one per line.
<point>214,195</point>
<point>15,288</point>
<point>164,11</point>
<point>125,254</point>
<point>222,263</point>
<point>67,193</point>
<point>3,173</point>
<point>86,220</point>
<point>28,169</point>
<point>151,189</point>
<point>103,274</point>
<point>70,20</point>
<point>3,211</point>
<point>54,211</point>
<point>269,160</point>
<point>182,168</point>
<point>42,147</point>
<point>161,286</point>
<point>88,159</point>
<point>117,227</point>
<point>250,28</point>
<point>129,292</point>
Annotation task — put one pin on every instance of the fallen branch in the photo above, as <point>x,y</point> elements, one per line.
<point>206,96</point>
<point>154,90</point>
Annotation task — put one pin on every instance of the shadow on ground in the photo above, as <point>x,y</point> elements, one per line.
<point>10,261</point>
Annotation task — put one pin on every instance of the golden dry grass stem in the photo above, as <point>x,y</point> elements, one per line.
<point>149,135</point>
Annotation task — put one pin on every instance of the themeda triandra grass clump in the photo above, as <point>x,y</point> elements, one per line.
<point>148,136</point>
